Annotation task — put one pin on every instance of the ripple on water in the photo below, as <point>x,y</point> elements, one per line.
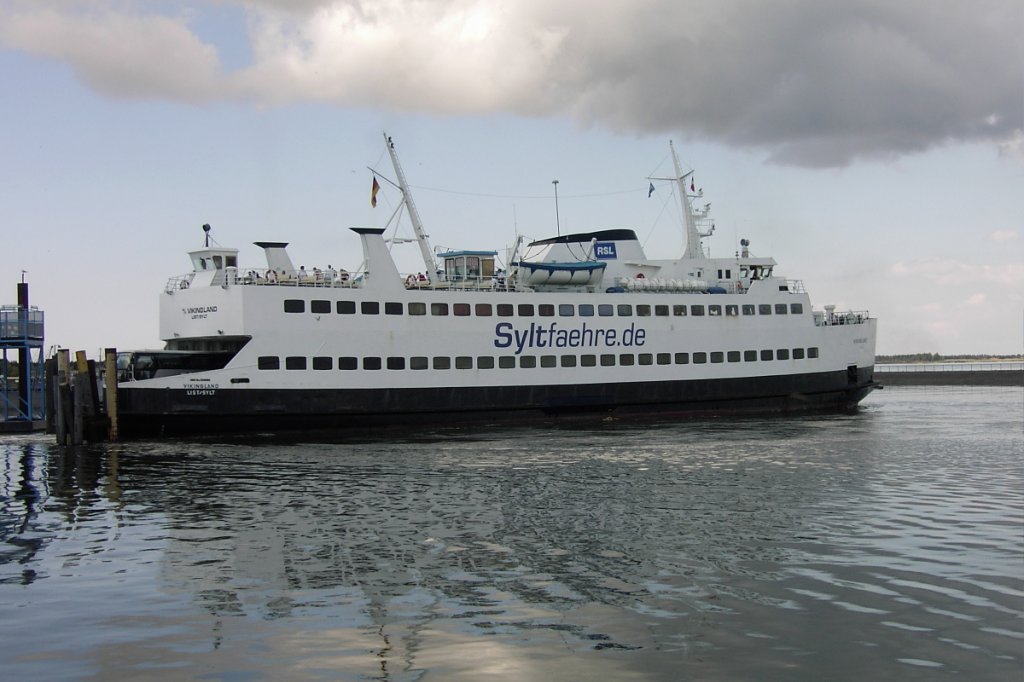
<point>751,548</point>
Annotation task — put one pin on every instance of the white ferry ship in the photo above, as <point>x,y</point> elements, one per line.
<point>581,325</point>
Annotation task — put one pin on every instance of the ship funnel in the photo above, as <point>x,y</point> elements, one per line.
<point>277,258</point>
<point>381,274</point>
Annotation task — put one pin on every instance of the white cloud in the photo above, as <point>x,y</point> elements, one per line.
<point>811,83</point>
<point>120,54</point>
<point>952,272</point>
<point>1003,235</point>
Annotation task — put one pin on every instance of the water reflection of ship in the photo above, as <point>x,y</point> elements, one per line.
<point>397,544</point>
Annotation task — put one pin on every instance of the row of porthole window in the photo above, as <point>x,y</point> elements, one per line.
<point>323,307</point>
<point>323,362</point>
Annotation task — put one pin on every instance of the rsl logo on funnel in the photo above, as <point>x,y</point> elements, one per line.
<point>605,251</point>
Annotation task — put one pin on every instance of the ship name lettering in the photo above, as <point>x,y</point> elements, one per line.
<point>552,336</point>
<point>200,388</point>
<point>199,312</point>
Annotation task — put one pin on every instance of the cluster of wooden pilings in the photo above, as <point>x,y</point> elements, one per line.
<point>78,412</point>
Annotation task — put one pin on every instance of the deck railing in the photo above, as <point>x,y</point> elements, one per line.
<point>823,319</point>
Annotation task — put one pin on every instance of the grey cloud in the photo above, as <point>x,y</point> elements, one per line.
<point>808,82</point>
<point>814,83</point>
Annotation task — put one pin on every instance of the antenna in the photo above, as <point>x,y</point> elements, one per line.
<point>206,229</point>
<point>558,226</point>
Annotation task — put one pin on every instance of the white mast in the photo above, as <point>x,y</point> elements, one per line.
<point>693,235</point>
<point>414,216</point>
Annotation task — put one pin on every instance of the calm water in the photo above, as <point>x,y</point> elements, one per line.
<point>885,545</point>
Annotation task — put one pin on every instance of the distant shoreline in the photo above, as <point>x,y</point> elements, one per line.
<point>987,378</point>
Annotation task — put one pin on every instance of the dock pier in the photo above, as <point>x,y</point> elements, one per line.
<point>80,415</point>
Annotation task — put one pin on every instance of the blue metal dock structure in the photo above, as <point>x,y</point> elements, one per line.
<point>22,398</point>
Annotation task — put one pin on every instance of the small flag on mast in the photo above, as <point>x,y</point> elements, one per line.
<point>650,191</point>
<point>373,192</point>
<point>691,183</point>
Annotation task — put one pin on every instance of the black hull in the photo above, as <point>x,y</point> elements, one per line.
<point>173,412</point>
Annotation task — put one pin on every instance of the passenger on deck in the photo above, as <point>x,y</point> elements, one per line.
<point>303,275</point>
<point>342,275</point>
<point>271,277</point>
<point>329,275</point>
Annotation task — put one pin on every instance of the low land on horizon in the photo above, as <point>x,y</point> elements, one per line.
<point>935,357</point>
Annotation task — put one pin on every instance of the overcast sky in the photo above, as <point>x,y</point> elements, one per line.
<point>874,149</point>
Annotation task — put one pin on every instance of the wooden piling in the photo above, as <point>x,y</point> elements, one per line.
<point>78,390</point>
<point>110,386</point>
<point>62,397</point>
<point>50,382</point>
